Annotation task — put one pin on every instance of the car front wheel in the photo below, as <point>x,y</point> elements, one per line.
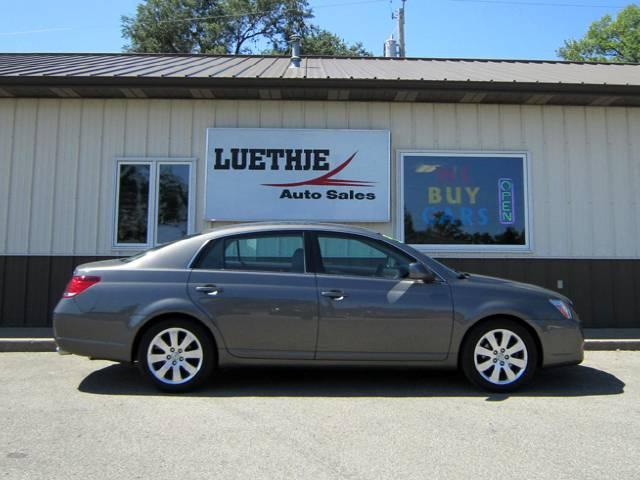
<point>176,355</point>
<point>499,355</point>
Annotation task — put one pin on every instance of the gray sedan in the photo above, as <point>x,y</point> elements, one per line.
<point>309,294</point>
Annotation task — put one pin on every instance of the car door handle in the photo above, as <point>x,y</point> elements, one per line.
<point>211,290</point>
<point>333,294</point>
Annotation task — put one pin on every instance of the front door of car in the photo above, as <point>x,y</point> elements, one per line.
<point>369,310</point>
<point>256,290</point>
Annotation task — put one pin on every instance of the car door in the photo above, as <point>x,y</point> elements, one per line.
<point>369,310</point>
<point>256,289</point>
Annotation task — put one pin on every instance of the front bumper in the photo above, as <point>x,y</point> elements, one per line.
<point>562,343</point>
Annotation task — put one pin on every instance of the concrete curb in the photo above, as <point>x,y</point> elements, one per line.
<point>49,345</point>
<point>27,345</point>
<point>630,344</point>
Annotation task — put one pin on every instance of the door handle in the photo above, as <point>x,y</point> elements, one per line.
<point>333,294</point>
<point>211,290</point>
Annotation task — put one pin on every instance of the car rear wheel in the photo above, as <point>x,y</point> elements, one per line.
<point>176,355</point>
<point>499,355</point>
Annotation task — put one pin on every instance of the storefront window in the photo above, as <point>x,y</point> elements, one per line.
<point>173,202</point>
<point>464,199</point>
<point>133,203</point>
<point>153,203</point>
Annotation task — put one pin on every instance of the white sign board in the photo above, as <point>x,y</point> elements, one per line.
<point>297,174</point>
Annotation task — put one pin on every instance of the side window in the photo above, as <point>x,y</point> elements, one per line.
<point>265,253</point>
<point>361,257</point>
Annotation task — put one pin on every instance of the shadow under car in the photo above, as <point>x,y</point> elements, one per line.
<point>574,381</point>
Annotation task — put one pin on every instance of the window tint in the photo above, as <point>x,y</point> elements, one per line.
<point>269,253</point>
<point>133,203</point>
<point>361,257</point>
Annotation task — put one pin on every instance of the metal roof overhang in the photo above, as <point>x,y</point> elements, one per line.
<point>519,93</point>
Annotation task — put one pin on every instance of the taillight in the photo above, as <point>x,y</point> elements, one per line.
<point>78,284</point>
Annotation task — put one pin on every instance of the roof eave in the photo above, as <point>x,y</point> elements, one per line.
<point>316,88</point>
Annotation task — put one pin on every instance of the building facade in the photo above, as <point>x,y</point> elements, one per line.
<point>530,184</point>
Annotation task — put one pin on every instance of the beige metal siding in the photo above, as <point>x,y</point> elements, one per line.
<point>57,162</point>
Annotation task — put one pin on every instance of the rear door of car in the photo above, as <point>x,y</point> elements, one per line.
<point>257,290</point>
<point>369,310</point>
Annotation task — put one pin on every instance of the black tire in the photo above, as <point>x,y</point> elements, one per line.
<point>203,365</point>
<point>482,375</point>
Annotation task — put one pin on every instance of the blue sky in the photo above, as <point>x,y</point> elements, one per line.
<point>529,29</point>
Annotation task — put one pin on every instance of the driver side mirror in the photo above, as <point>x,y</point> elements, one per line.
<point>418,271</point>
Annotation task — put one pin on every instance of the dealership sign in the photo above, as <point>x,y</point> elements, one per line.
<point>297,174</point>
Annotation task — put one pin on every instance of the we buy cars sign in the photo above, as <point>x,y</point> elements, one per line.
<point>297,174</point>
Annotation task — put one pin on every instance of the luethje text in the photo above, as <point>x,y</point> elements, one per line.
<point>271,159</point>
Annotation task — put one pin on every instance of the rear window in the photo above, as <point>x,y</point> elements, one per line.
<point>263,253</point>
<point>154,249</point>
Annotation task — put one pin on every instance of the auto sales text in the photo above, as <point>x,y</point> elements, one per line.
<point>329,194</point>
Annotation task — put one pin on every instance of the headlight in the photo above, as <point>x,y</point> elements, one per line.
<point>562,307</point>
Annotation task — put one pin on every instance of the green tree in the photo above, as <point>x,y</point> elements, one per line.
<point>608,40</point>
<point>213,26</point>
<point>228,27</point>
<point>322,42</point>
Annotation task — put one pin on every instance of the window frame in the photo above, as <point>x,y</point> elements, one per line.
<point>317,253</point>
<point>154,164</point>
<point>204,250</point>
<point>398,226</point>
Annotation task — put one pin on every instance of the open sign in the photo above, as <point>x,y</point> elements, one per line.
<point>506,203</point>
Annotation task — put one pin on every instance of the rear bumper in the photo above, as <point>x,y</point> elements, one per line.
<point>75,332</point>
<point>93,349</point>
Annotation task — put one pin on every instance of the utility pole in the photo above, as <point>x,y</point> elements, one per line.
<point>400,17</point>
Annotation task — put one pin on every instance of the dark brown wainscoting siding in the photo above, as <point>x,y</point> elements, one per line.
<point>30,287</point>
<point>606,292</point>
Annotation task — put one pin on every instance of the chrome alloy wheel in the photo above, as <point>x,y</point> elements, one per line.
<point>500,357</point>
<point>174,356</point>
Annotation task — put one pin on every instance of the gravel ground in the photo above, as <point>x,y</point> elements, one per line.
<point>72,418</point>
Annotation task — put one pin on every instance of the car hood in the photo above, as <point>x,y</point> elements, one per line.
<point>483,280</point>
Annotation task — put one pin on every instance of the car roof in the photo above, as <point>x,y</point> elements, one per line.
<point>181,252</point>
<point>288,225</point>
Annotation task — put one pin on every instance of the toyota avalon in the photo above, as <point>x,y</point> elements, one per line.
<point>309,294</point>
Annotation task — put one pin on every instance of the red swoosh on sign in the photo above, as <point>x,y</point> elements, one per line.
<point>327,179</point>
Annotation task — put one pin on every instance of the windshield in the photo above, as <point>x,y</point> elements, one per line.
<point>451,271</point>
